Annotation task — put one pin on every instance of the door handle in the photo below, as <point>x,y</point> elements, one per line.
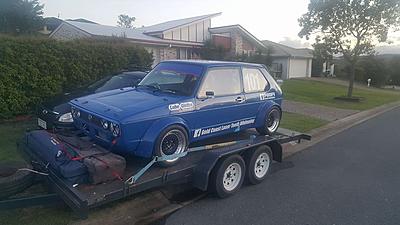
<point>240,99</point>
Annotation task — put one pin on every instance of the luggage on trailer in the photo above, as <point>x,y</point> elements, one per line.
<point>76,158</point>
<point>49,150</point>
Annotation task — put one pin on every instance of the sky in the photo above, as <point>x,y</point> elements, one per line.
<point>274,20</point>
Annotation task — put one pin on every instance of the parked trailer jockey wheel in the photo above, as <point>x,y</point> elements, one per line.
<point>258,163</point>
<point>173,140</point>
<point>228,176</point>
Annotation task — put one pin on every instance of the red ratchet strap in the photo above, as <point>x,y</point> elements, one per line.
<point>114,173</point>
<point>74,158</point>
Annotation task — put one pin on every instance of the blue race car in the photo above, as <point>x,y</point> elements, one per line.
<point>178,103</point>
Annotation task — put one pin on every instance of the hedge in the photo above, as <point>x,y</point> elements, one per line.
<point>34,69</point>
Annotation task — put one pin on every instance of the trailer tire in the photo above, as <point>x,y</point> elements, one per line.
<point>12,180</point>
<point>178,141</point>
<point>258,163</point>
<point>227,176</point>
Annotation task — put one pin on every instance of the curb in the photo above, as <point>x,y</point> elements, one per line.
<point>333,128</point>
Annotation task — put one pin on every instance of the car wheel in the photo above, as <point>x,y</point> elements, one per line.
<point>258,163</point>
<point>13,180</point>
<point>171,141</point>
<point>228,176</point>
<point>272,121</point>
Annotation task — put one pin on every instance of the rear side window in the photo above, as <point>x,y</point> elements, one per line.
<point>254,80</point>
<point>222,81</point>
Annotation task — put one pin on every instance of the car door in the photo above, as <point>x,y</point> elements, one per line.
<point>219,101</point>
<point>256,89</point>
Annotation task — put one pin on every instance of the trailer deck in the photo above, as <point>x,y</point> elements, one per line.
<point>194,168</point>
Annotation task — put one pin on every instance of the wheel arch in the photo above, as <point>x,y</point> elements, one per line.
<point>146,145</point>
<point>260,117</point>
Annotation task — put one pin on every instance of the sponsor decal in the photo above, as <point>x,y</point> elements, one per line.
<point>232,125</point>
<point>184,106</point>
<point>267,96</point>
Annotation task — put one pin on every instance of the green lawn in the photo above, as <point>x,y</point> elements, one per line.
<point>300,123</point>
<point>321,93</point>
<point>9,134</point>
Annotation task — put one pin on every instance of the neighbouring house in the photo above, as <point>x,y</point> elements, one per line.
<point>177,39</point>
<point>183,39</point>
<point>235,39</point>
<point>289,62</point>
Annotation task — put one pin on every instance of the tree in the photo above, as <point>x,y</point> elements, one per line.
<point>350,27</point>
<point>321,54</point>
<point>211,51</point>
<point>20,16</point>
<point>125,21</point>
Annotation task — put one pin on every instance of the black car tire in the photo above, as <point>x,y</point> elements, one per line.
<point>168,139</point>
<point>218,180</point>
<point>274,114</point>
<point>258,162</point>
<point>12,180</point>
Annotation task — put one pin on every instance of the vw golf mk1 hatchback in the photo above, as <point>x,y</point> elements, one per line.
<point>180,102</point>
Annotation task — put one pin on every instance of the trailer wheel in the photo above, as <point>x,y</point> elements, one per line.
<point>228,176</point>
<point>258,163</point>
<point>272,121</point>
<point>12,180</point>
<point>173,140</point>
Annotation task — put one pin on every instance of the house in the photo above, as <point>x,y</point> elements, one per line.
<point>183,39</point>
<point>235,39</point>
<point>177,39</point>
<point>289,62</point>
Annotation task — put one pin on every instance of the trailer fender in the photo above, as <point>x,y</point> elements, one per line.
<point>276,149</point>
<point>146,146</point>
<point>202,171</point>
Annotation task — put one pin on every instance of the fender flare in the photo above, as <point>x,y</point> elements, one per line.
<point>146,145</point>
<point>262,111</point>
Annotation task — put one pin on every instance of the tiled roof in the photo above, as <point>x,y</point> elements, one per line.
<point>283,50</point>
<point>175,23</point>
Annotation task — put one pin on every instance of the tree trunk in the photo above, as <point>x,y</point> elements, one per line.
<point>351,79</point>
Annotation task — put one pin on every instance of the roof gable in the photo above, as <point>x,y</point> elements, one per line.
<point>243,31</point>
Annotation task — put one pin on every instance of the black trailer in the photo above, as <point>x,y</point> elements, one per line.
<point>219,164</point>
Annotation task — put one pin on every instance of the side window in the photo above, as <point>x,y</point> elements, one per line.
<point>254,80</point>
<point>222,81</point>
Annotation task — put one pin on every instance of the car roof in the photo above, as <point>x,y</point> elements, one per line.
<point>210,63</point>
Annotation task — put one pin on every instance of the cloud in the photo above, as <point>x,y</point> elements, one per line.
<point>295,43</point>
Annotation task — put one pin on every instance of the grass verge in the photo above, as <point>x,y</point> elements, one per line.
<point>321,93</point>
<point>300,123</point>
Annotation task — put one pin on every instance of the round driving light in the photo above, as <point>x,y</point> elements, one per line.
<point>115,129</point>
<point>104,124</point>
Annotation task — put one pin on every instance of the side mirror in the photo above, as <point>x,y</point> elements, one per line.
<point>209,94</point>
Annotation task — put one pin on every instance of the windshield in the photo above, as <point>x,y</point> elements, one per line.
<point>175,78</point>
<point>114,82</point>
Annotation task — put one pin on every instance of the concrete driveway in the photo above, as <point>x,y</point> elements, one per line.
<point>350,178</point>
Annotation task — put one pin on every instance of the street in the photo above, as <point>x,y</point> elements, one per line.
<point>350,178</point>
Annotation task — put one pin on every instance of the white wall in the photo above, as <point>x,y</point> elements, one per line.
<point>299,68</point>
<point>195,32</point>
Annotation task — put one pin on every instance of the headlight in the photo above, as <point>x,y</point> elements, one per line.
<point>104,124</point>
<point>115,129</point>
<point>66,118</point>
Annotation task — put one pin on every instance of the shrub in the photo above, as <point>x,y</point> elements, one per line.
<point>33,69</point>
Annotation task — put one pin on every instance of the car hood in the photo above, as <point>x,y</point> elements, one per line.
<point>122,103</point>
